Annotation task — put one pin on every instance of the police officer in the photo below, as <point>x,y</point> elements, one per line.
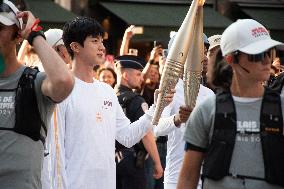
<point>130,161</point>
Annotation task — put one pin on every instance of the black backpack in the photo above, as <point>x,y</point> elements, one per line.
<point>27,116</point>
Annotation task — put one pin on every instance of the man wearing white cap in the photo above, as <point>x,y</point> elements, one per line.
<point>27,99</point>
<point>214,47</point>
<point>239,132</point>
<point>54,39</point>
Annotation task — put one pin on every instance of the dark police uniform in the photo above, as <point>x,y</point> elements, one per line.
<point>130,171</point>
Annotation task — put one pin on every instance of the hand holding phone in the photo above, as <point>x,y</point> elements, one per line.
<point>138,30</point>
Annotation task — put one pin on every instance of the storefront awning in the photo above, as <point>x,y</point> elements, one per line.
<point>49,12</point>
<point>159,19</point>
<point>272,18</point>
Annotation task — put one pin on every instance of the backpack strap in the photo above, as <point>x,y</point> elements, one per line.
<point>218,157</point>
<point>28,119</point>
<point>272,138</point>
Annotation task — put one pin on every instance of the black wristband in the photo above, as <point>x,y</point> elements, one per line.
<point>34,34</point>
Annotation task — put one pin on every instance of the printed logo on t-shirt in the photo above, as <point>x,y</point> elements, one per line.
<point>6,105</point>
<point>248,131</point>
<point>107,104</point>
<point>247,126</point>
<point>104,113</point>
<point>7,108</point>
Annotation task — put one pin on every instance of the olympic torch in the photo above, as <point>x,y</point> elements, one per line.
<point>176,58</point>
<point>193,66</point>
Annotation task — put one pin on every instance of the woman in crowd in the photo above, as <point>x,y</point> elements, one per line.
<point>107,75</point>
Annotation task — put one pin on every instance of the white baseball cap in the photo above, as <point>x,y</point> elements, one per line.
<point>54,37</point>
<point>247,36</point>
<point>173,36</point>
<point>214,41</point>
<point>8,12</point>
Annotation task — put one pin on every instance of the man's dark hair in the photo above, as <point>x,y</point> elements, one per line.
<point>222,72</point>
<point>78,30</point>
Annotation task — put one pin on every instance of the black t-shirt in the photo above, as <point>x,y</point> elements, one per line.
<point>148,94</point>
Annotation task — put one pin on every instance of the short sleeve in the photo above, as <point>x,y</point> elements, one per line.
<point>200,124</point>
<point>45,104</point>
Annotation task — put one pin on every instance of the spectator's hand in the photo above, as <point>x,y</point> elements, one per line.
<point>156,53</point>
<point>162,62</point>
<point>28,22</point>
<point>158,171</point>
<point>128,34</point>
<point>182,116</point>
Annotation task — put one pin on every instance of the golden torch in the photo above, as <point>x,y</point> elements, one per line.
<point>193,66</point>
<point>176,58</point>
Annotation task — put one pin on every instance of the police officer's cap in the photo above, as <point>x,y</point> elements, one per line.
<point>130,61</point>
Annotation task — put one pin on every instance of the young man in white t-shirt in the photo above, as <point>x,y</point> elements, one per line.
<point>93,117</point>
<point>175,132</point>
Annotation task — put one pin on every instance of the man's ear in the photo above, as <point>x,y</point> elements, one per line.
<point>124,75</point>
<point>75,47</point>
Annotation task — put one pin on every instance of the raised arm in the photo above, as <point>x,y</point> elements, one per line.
<point>128,34</point>
<point>154,58</point>
<point>59,81</point>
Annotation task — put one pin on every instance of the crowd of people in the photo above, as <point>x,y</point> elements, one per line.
<point>73,117</point>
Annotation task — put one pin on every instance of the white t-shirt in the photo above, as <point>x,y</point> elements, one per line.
<point>53,174</point>
<point>92,120</point>
<point>175,144</point>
